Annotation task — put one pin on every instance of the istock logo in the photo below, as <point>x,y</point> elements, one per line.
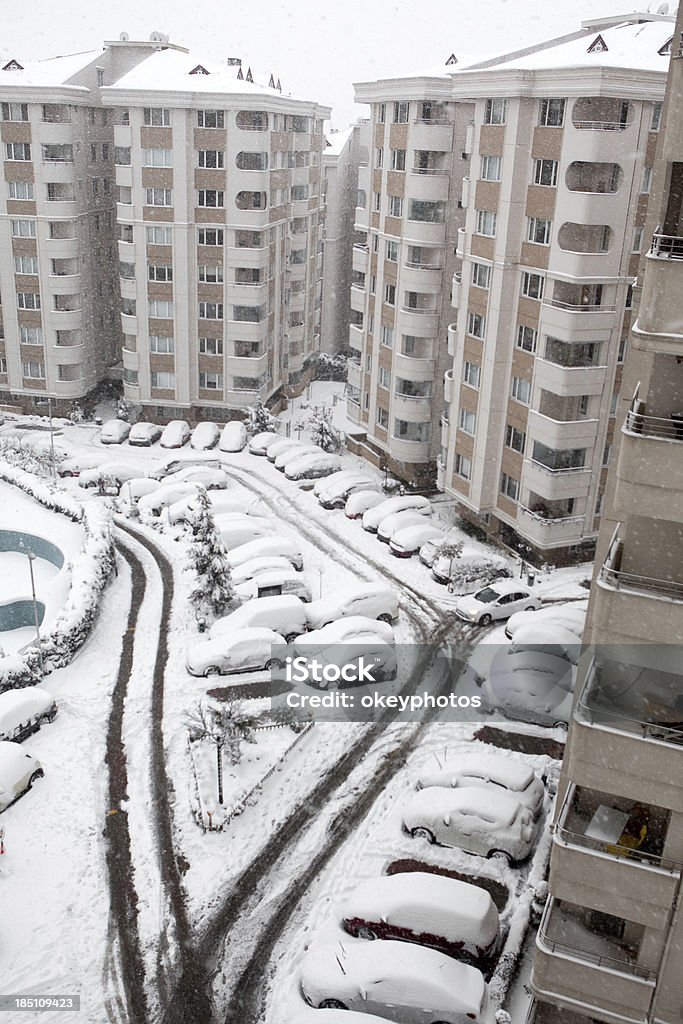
<point>305,670</point>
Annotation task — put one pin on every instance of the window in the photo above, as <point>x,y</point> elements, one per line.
<point>155,157</point>
<point>656,117</point>
<point>18,151</point>
<point>162,344</point>
<point>509,487</point>
<point>209,381</point>
<point>211,310</point>
<point>93,153</point>
<point>100,76</point>
<point>401,112</point>
<point>244,161</point>
<point>210,119</point>
<point>614,402</point>
<point>58,153</point>
<point>15,112</point>
<point>387,336</point>
<point>20,189</point>
<point>490,168</point>
<point>25,264</point>
<point>545,172</point>
<point>583,405</point>
<point>471,374</point>
<point>462,466</point>
<point>390,294</point>
<point>381,113</point>
<point>210,236</point>
<point>28,300</point>
<point>298,192</point>
<point>467,421</point>
<point>105,151</point>
<point>3,364</point>
<point>621,354</point>
<point>382,417</point>
<point>211,197</point>
<point>160,273</point>
<point>551,113</point>
<point>395,206</point>
<point>628,304</point>
<point>384,377</point>
<point>162,380</point>
<point>95,184</point>
<point>161,308</point>
<point>521,390</point>
<point>514,438</point>
<point>398,159</point>
<point>129,307</point>
<point>526,338</point>
<point>379,157</point>
<point>476,325</point>
<point>481,275</point>
<point>412,431</point>
<point>31,335</point>
<point>532,285</point>
<point>495,111</point>
<point>427,211</point>
<point>211,346</point>
<point>157,117</point>
<point>376,201</point>
<point>392,251</point>
<point>598,504</point>
<point>213,158</point>
<point>538,230</point>
<point>158,234</point>
<point>33,371</point>
<point>127,271</point>
<point>211,274</point>
<point>486,223</point>
<point>158,197</point>
<point>606,453</point>
<point>125,195</point>
<point>647,180</point>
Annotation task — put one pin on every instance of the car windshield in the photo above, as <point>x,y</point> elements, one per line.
<point>487,595</point>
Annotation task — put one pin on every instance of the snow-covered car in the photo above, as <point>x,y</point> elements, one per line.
<point>184,509</point>
<point>509,774</point>
<point>164,496</point>
<point>337,1017</point>
<point>18,772</point>
<point>479,821</point>
<point>236,529</point>
<point>400,503</point>
<point>429,551</point>
<point>414,983</point>
<point>205,436</point>
<point>134,489</point>
<point>282,445</point>
<point>78,464</point>
<point>144,435</point>
<point>256,567</point>
<point>496,601</point>
<point>205,476</point>
<point>274,583</point>
<point>285,615</point>
<point>409,539</point>
<point>374,600</point>
<point>351,662</point>
<point>571,617</point>
<point>264,547</point>
<point>292,454</point>
<point>312,466</point>
<point>112,474</point>
<point>531,686</point>
<point>174,463</point>
<point>549,639</point>
<point>259,442</point>
<point>114,432</point>
<point>359,503</point>
<point>399,521</point>
<point>23,711</point>
<point>448,915</point>
<point>471,570</point>
<point>243,650</point>
<point>233,437</point>
<point>339,477</point>
<point>337,495</point>
<point>356,629</point>
<point>175,434</point>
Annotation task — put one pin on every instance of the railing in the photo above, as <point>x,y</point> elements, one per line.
<point>550,520</point>
<point>580,307</point>
<point>648,730</point>
<point>667,247</point>
<point>432,120</point>
<point>423,266</point>
<point>571,366</point>
<point>421,312</point>
<point>603,126</point>
<point>619,579</point>
<point>361,247</point>
<point>562,469</point>
<point>655,426</point>
<point>428,170</point>
<point>672,867</point>
<point>589,956</point>
<point>413,398</point>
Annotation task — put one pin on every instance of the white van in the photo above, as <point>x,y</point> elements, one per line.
<point>272,584</point>
<point>285,615</point>
<point>375,600</point>
<point>23,711</point>
<point>265,546</point>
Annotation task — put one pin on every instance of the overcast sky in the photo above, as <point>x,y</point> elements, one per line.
<point>318,48</point>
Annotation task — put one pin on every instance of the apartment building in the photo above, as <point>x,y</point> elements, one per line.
<point>538,183</point>
<point>220,227</point>
<point>609,944</point>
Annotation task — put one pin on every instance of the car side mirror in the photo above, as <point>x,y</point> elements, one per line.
<point>447,819</point>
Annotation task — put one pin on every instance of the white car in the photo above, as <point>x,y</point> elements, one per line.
<point>133,490</point>
<point>114,432</point>
<point>183,510</point>
<point>23,711</point>
<point>265,547</point>
<point>282,445</point>
<point>409,539</point>
<point>374,600</point>
<point>244,650</point>
<point>414,983</point>
<point>337,1017</point>
<point>339,477</point>
<point>175,434</point>
<point>205,476</point>
<point>285,615</point>
<point>256,567</point>
<point>292,454</point>
<point>164,496</point>
<point>531,686</point>
<point>233,437</point>
<point>355,660</point>
<point>236,529</point>
<point>337,495</point>
<point>259,442</point>
<point>483,822</point>
<point>397,521</point>
<point>430,550</point>
<point>497,601</point>
<point>18,772</point>
<point>205,436</point>
<point>548,638</point>
<point>571,617</point>
<point>273,584</point>
<point>509,774</point>
<point>356,629</point>
<point>312,466</point>
<point>174,463</point>
<point>359,503</point>
<point>78,464</point>
<point>402,502</point>
<point>115,472</point>
<point>144,435</point>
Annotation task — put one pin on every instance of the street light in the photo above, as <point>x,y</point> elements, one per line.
<point>31,557</point>
<point>52,439</point>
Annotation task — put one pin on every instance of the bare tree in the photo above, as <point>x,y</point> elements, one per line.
<point>227,725</point>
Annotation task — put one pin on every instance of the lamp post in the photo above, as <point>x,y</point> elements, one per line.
<point>31,557</point>
<point>52,439</point>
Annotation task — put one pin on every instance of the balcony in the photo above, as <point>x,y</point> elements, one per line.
<point>570,381</point>
<point>432,134</point>
<point>452,339</point>
<point>556,484</point>
<point>425,231</point>
<point>561,433</point>
<point>417,321</point>
<point>644,479</point>
<point>68,355</point>
<point>658,327</point>
<point>602,113</point>
<point>356,337</point>
<point>411,407</point>
<point>548,1013</point>
<point>429,183</point>
<point>354,373</point>
<point>549,532</point>
<point>357,298</point>
<point>248,256</point>
<point>71,388</point>
<point>249,293</point>
<point>448,388</point>
<point>455,290</point>
<point>61,248</point>
<point>415,367</point>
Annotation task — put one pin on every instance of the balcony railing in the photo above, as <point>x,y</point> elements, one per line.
<point>422,312</point>
<point>611,963</point>
<point>560,470</point>
<point>429,170</point>
<point>669,247</point>
<point>670,429</point>
<point>601,126</point>
<point>423,266</point>
<point>432,120</point>
<point>620,580</point>
<point>580,307</point>
<point>548,520</point>
<point>622,718</point>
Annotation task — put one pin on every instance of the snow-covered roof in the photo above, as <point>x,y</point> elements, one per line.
<point>336,140</point>
<point>51,72</point>
<point>506,771</point>
<point>496,809</point>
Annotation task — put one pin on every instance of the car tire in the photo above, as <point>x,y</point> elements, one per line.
<point>385,618</point>
<point>423,833</point>
<point>366,933</point>
<point>212,670</point>
<point>561,725</point>
<point>66,474</point>
<point>38,774</point>
<point>485,620</point>
<point>530,609</point>
<point>332,1004</point>
<point>502,856</point>
<point>273,663</point>
<point>291,637</point>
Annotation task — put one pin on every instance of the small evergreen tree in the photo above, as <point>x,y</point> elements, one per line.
<point>214,593</point>
<point>323,432</point>
<point>228,726</point>
<point>258,418</point>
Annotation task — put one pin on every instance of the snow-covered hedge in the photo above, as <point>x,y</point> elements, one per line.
<point>89,571</point>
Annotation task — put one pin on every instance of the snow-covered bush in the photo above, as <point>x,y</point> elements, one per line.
<point>214,594</point>
<point>328,367</point>
<point>482,573</point>
<point>16,453</point>
<point>258,418</point>
<point>323,432</point>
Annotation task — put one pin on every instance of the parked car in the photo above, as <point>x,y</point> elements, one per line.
<point>282,445</point>
<point>256,567</point>
<point>571,617</point>
<point>134,489</point>
<point>243,650</point>
<point>165,495</point>
<point>496,601</point>
<point>409,539</point>
<point>401,502</point>
<point>205,436</point>
<point>429,551</point>
<point>312,466</point>
<point>23,711</point>
<point>175,434</point>
<point>174,463</point>
<point>112,474</point>
<point>205,476</point>
<point>356,629</point>
<point>531,686</point>
<point>354,659</point>
<point>114,432</point>
<point>236,529</point>
<point>182,511</point>
<point>358,504</point>
<point>454,917</point>
<point>266,546</point>
<point>509,774</point>
<point>336,495</point>
<point>233,437</point>
<point>285,615</point>
<point>416,983</point>
<point>337,1017</point>
<point>259,442</point>
<point>292,454</point>
<point>144,435</point>
<point>374,600</point>
<point>274,583</point>
<point>397,521</point>
<point>78,464</point>
<point>339,477</point>
<point>18,772</point>
<point>486,823</point>
<point>549,639</point>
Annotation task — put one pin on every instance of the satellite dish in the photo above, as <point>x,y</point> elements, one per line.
<point>156,37</point>
<point>124,37</point>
